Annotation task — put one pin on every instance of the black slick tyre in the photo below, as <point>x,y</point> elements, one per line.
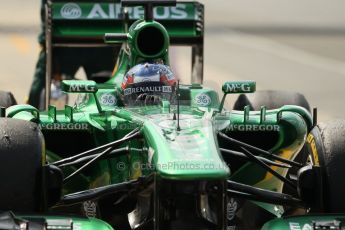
<point>7,99</point>
<point>272,99</point>
<point>21,148</point>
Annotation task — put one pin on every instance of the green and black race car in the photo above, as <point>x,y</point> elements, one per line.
<point>170,156</point>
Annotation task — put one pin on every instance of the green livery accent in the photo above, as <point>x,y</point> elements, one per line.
<point>28,112</point>
<point>113,11</point>
<point>59,222</point>
<point>235,87</point>
<point>74,21</point>
<point>77,86</point>
<point>305,222</point>
<point>239,87</point>
<point>188,154</point>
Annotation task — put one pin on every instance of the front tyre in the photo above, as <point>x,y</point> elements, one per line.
<point>326,144</point>
<point>21,148</point>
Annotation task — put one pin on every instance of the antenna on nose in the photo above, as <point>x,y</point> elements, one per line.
<point>178,106</point>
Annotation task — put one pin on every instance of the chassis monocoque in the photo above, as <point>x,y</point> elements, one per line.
<point>181,164</point>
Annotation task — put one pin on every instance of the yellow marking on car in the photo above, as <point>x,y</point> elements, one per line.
<point>44,153</point>
<point>315,154</point>
<point>100,181</point>
<point>20,43</point>
<point>271,182</point>
<point>136,171</point>
<point>284,153</point>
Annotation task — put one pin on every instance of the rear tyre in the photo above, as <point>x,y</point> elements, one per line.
<point>21,148</point>
<point>7,99</point>
<point>272,99</point>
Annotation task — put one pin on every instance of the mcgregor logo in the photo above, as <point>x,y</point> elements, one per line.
<point>71,11</point>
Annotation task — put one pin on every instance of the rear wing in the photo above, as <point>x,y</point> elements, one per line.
<point>87,21</point>
<point>84,24</point>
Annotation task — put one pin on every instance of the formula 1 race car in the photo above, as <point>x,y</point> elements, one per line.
<point>177,162</point>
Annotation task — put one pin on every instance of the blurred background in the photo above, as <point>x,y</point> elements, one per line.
<point>281,44</point>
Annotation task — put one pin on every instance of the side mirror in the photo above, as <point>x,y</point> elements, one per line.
<point>233,87</point>
<point>79,86</point>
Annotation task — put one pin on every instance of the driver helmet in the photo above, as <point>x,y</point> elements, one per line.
<point>148,84</point>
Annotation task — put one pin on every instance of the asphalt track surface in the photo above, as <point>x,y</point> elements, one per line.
<point>281,44</point>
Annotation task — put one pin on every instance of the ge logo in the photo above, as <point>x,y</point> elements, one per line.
<point>70,11</point>
<point>202,99</point>
<point>108,99</point>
